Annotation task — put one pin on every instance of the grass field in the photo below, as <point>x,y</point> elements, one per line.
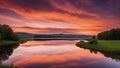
<point>103,45</point>
<point>8,42</point>
<point>1,66</point>
<point>5,67</point>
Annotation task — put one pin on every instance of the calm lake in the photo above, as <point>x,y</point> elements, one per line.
<point>56,54</point>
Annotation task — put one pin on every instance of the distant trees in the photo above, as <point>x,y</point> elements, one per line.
<point>113,34</point>
<point>6,33</point>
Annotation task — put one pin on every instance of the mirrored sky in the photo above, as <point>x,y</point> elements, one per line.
<point>60,16</point>
<point>45,54</point>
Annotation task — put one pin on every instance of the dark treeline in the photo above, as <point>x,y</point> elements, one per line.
<point>61,36</point>
<point>113,34</point>
<point>6,33</point>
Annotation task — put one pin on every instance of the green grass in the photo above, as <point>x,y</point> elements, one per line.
<point>8,42</point>
<point>112,45</point>
<point>109,48</point>
<point>1,66</point>
<point>103,45</point>
<point>5,67</point>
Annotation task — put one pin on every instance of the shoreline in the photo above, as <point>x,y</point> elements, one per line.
<point>102,46</point>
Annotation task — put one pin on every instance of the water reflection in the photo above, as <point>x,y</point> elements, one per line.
<point>6,51</point>
<point>55,57</point>
<point>50,43</point>
<point>57,54</point>
<point>113,55</point>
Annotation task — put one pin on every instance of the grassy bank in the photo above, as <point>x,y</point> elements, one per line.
<point>8,42</point>
<point>102,46</point>
<point>5,67</point>
<point>1,66</point>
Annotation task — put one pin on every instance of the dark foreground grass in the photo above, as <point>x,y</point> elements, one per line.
<point>102,46</point>
<point>2,66</point>
<point>5,67</point>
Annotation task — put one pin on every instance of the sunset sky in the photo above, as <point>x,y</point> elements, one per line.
<point>60,16</point>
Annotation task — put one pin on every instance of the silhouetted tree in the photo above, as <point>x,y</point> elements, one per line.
<point>113,34</point>
<point>7,33</point>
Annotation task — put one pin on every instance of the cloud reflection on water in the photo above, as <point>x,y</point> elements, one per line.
<point>58,57</point>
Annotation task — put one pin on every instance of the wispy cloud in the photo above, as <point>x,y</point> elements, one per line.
<point>76,14</point>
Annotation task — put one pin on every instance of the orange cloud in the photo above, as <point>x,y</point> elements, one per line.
<point>71,8</point>
<point>57,30</point>
<point>32,14</point>
<point>59,14</point>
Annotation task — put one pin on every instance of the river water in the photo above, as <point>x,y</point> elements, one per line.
<point>57,54</point>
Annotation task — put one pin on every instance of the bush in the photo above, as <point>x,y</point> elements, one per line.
<point>82,41</point>
<point>93,41</point>
<point>15,37</point>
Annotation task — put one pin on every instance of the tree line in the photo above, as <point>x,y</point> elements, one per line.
<point>6,33</point>
<point>113,34</point>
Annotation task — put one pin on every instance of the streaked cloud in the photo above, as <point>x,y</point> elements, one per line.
<point>74,14</point>
<point>58,30</point>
